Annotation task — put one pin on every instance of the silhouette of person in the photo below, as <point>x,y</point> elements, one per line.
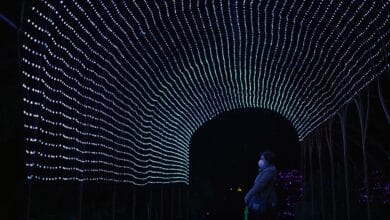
<point>261,198</point>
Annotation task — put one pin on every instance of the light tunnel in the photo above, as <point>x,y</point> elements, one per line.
<point>114,90</point>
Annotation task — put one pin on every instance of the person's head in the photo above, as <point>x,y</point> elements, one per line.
<point>267,158</point>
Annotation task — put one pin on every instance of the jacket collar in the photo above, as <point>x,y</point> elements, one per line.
<point>268,167</point>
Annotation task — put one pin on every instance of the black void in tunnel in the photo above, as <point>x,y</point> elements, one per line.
<point>224,154</point>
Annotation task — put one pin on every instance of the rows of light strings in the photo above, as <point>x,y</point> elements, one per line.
<point>113,90</point>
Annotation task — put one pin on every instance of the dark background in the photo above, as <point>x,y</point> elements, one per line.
<point>13,188</point>
<point>224,153</point>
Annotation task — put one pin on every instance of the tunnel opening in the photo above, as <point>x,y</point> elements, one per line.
<point>223,160</point>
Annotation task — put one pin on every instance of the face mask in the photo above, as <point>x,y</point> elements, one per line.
<point>261,164</point>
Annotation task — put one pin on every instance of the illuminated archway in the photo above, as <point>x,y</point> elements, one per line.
<point>114,91</point>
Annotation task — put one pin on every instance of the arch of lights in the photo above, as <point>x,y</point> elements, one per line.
<point>113,90</point>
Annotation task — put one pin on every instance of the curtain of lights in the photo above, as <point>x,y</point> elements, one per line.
<point>352,185</point>
<point>113,90</point>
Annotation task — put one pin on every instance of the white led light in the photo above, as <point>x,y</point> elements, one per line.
<point>114,91</point>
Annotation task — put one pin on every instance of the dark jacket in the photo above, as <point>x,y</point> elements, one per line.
<point>263,192</point>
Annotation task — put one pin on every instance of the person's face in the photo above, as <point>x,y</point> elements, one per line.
<point>262,162</point>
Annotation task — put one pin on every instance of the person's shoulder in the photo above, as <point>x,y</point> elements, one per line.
<point>272,169</point>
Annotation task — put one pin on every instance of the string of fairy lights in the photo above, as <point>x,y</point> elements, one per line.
<point>114,90</point>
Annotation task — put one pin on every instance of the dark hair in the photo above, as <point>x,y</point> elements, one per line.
<point>269,157</point>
